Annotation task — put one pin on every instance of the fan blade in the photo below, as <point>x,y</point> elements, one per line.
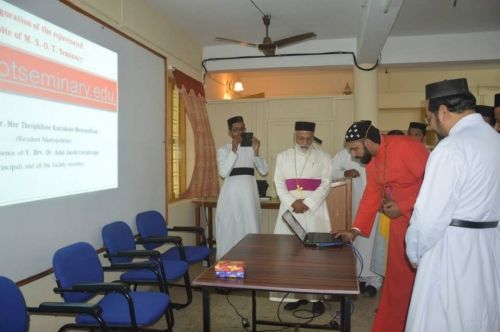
<point>239,42</point>
<point>294,39</point>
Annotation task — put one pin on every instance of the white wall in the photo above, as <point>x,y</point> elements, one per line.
<point>138,20</point>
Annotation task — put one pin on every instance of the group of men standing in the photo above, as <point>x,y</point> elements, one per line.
<point>443,255</point>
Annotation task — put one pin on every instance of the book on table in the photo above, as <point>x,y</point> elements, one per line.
<point>230,269</point>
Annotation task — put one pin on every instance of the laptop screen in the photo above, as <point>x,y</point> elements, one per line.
<point>294,224</point>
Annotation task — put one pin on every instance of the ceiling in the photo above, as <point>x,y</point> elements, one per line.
<point>360,26</point>
<point>203,20</point>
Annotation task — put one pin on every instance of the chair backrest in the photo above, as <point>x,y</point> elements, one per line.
<point>151,223</point>
<point>117,237</point>
<point>13,313</point>
<point>75,264</point>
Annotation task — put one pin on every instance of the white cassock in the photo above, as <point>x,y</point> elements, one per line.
<point>300,175</point>
<point>457,287</point>
<point>296,174</point>
<point>341,162</point>
<point>238,205</point>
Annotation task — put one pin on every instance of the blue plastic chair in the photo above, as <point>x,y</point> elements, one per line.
<point>153,233</point>
<point>14,315</point>
<point>120,248</point>
<point>80,277</point>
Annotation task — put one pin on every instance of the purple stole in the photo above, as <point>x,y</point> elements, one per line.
<point>302,184</point>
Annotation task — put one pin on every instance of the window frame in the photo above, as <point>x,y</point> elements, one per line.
<point>171,194</point>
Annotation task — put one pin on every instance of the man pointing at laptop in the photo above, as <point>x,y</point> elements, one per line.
<point>394,169</point>
<point>302,179</point>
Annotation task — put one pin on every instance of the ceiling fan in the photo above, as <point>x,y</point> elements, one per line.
<point>268,47</point>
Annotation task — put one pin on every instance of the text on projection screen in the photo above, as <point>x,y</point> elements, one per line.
<point>59,111</point>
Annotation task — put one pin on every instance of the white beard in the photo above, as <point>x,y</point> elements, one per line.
<point>303,149</point>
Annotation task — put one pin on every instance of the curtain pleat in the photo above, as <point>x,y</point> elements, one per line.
<point>204,181</point>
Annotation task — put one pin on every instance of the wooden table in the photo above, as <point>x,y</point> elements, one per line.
<point>281,263</point>
<point>210,203</point>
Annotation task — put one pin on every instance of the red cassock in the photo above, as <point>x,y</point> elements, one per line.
<point>395,172</point>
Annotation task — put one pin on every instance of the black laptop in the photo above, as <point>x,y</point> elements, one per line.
<point>311,239</point>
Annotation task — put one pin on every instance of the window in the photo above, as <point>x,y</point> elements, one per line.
<point>176,140</point>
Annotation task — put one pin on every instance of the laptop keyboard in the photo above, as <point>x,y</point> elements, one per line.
<point>320,237</point>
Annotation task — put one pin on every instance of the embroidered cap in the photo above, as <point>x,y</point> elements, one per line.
<point>360,130</point>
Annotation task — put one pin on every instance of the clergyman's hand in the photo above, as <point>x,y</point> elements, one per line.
<point>299,207</point>
<point>351,173</point>
<point>391,209</point>
<point>347,236</point>
<point>236,142</point>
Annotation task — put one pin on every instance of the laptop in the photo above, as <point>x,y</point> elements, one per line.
<point>311,239</point>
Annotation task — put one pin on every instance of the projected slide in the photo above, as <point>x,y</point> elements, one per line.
<point>58,113</point>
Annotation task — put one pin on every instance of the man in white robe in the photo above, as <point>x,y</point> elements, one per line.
<point>345,166</point>
<point>302,179</point>
<point>454,239</point>
<point>238,205</point>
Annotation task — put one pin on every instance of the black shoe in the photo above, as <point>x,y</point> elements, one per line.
<point>318,308</point>
<point>370,290</point>
<point>294,305</point>
<point>362,287</point>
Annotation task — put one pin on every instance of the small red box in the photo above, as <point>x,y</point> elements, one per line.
<point>230,269</point>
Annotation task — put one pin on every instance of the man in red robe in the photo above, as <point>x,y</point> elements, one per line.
<point>395,169</point>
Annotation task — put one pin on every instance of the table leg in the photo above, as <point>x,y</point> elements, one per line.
<point>210,234</point>
<point>206,309</point>
<point>345,313</point>
<point>254,312</point>
<point>197,218</point>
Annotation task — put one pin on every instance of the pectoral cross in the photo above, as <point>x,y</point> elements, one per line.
<point>299,188</point>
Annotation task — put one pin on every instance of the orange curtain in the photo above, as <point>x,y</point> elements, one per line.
<point>204,181</point>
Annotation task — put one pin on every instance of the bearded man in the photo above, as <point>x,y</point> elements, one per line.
<point>302,179</point>
<point>395,169</point>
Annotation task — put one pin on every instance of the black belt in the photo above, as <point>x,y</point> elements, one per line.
<point>242,171</point>
<point>473,224</point>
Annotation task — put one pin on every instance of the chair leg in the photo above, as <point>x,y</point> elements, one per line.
<point>189,293</point>
<point>169,315</point>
